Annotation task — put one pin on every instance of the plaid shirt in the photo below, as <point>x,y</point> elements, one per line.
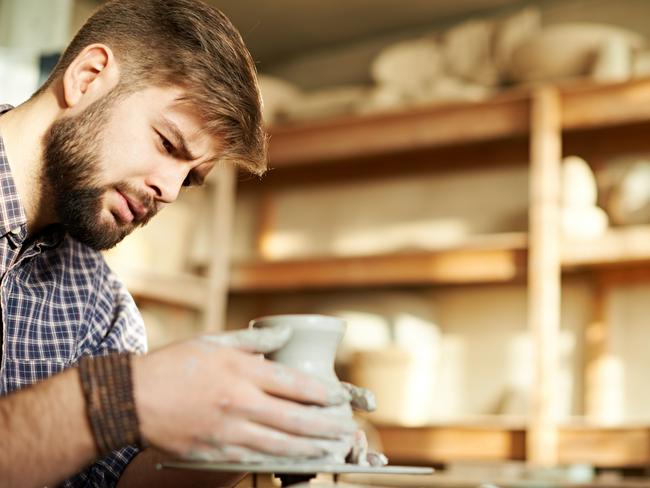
<point>59,301</point>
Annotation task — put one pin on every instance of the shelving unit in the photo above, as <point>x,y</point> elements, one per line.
<point>516,126</point>
<point>521,125</point>
<point>185,290</point>
<point>500,258</point>
<point>494,440</point>
<point>493,259</point>
<point>472,263</point>
<point>618,247</point>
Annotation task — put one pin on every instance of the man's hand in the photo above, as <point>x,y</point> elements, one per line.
<point>216,398</point>
<point>360,398</point>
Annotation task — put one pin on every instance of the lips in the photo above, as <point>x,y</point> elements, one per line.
<point>131,208</point>
<point>137,209</point>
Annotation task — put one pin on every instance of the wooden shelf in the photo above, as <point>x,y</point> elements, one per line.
<point>585,105</point>
<point>590,105</point>
<point>603,446</point>
<point>619,246</point>
<point>487,259</point>
<point>445,443</point>
<point>490,259</point>
<point>362,136</point>
<point>183,290</point>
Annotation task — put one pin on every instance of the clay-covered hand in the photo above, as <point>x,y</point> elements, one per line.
<point>258,341</point>
<point>360,398</point>
<point>361,455</point>
<point>215,398</point>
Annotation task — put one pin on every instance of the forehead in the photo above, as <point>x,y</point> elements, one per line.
<point>168,105</point>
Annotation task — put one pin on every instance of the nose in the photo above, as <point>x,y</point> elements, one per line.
<point>166,181</point>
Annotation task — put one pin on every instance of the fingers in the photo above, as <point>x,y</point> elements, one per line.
<point>260,341</point>
<point>303,420</point>
<point>377,459</point>
<point>360,398</point>
<point>238,454</point>
<point>242,433</point>
<point>225,454</point>
<point>282,381</point>
<point>359,451</point>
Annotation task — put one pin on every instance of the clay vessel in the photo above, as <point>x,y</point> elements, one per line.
<point>313,343</point>
<point>312,350</point>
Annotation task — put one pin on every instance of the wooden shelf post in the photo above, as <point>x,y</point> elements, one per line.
<point>544,274</point>
<point>596,343</point>
<point>214,315</point>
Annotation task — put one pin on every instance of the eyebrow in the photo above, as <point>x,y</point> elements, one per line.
<point>179,140</point>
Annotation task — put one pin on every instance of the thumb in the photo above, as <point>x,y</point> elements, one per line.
<point>261,341</point>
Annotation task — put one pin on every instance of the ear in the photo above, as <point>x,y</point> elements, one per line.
<point>90,75</point>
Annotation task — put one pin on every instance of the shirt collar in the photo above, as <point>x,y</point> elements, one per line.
<point>12,213</point>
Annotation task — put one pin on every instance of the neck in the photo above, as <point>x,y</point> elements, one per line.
<point>23,130</point>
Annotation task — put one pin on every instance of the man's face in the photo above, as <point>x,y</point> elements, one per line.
<point>113,166</point>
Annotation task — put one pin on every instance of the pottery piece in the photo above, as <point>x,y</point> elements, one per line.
<point>443,90</point>
<point>628,201</point>
<point>408,65</point>
<point>468,52</point>
<point>387,373</point>
<point>448,89</point>
<point>614,61</point>
<point>511,32</point>
<point>277,95</point>
<point>313,343</point>
<point>584,223</point>
<point>311,349</point>
<point>566,50</point>
<point>581,218</point>
<point>383,98</point>
<point>579,187</point>
<point>328,102</point>
<point>641,64</point>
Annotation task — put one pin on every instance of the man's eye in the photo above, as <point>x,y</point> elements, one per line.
<point>168,146</point>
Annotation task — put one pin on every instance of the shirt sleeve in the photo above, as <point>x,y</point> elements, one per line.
<point>125,333</point>
<point>115,305</point>
<point>105,472</point>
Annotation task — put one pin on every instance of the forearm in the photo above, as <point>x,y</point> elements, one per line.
<point>45,435</point>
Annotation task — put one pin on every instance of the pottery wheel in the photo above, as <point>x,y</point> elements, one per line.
<point>295,469</point>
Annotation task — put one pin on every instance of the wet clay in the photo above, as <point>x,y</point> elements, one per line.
<point>312,350</point>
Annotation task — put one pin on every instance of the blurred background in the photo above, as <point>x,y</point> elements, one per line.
<point>467,183</point>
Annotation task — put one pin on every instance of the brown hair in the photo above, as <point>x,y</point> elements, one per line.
<point>189,44</point>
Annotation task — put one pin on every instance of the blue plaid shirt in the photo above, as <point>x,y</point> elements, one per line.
<point>59,301</point>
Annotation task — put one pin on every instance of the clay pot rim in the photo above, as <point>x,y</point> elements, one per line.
<point>301,321</point>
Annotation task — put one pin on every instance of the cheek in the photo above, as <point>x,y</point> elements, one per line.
<point>126,161</point>
<point>107,203</point>
<point>128,148</point>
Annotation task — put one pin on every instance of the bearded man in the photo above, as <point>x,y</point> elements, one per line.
<point>149,96</point>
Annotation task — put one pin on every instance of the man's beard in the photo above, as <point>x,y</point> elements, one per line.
<point>71,168</point>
